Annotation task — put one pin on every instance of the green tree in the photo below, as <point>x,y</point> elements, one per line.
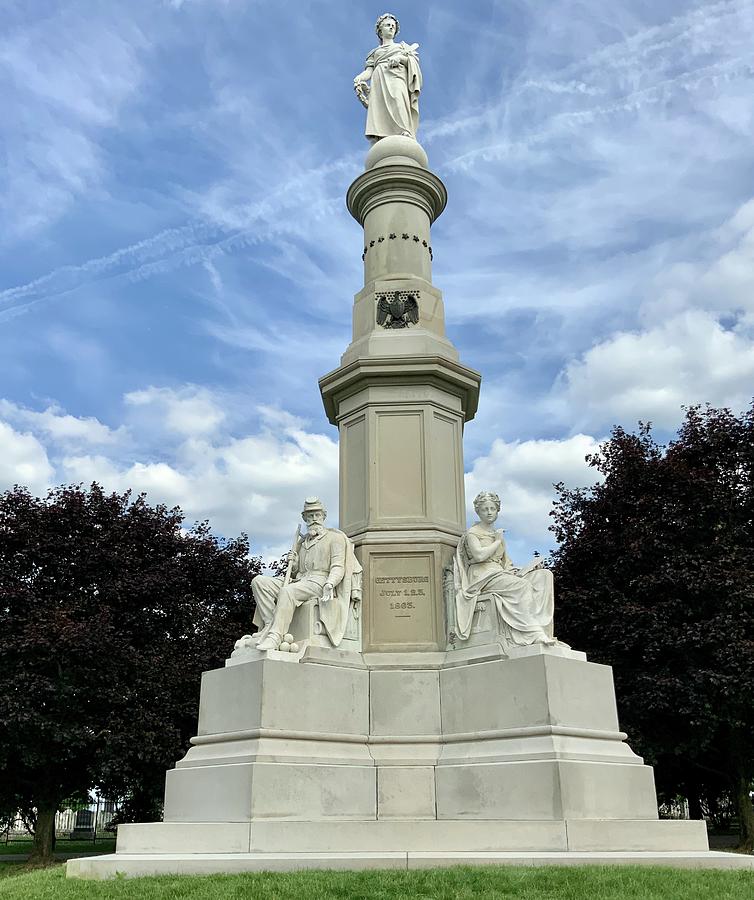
<point>109,612</point>
<point>655,576</point>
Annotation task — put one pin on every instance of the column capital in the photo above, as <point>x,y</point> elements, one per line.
<point>396,184</point>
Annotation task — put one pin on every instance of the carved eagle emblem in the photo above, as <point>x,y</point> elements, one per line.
<point>397,310</point>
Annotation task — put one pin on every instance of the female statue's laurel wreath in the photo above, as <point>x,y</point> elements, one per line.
<point>392,97</point>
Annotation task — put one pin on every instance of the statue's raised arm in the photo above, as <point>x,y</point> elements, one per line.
<point>390,84</point>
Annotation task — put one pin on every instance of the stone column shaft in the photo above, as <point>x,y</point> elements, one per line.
<point>400,399</point>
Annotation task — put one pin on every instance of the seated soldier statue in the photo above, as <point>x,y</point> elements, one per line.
<point>323,569</point>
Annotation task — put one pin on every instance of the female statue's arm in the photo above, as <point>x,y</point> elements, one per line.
<point>507,563</point>
<point>398,60</point>
<point>477,552</point>
<point>365,75</point>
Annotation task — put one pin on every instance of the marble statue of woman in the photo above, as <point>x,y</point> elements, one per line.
<point>523,598</point>
<point>392,98</point>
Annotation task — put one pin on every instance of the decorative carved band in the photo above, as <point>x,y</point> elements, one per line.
<point>393,237</point>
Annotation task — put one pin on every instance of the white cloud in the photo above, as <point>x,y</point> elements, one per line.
<point>649,375</point>
<point>188,411</point>
<point>718,277</point>
<point>59,425</point>
<point>23,460</point>
<point>523,474</point>
<point>254,481</point>
<point>693,342</point>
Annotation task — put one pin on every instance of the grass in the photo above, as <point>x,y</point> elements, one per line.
<point>545,883</point>
<point>106,845</point>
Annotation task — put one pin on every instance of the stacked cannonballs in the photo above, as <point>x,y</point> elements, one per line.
<point>287,645</point>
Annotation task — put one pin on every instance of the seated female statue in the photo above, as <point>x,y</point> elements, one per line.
<point>523,598</point>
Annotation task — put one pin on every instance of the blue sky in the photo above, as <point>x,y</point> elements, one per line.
<point>177,265</point>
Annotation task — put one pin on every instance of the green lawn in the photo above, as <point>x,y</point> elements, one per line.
<point>582,883</point>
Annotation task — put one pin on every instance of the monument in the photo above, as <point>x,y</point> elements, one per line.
<point>404,701</point>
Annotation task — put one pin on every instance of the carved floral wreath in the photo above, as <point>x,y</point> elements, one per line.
<point>362,92</point>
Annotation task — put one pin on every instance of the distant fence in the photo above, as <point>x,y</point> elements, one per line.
<point>88,823</point>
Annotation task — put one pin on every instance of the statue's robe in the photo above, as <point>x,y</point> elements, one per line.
<point>394,92</point>
<point>524,603</point>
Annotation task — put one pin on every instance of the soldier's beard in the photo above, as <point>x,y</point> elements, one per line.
<point>316,528</point>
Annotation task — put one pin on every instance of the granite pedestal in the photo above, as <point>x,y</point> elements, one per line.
<point>406,760</point>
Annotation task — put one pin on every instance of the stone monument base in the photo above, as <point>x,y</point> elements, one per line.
<point>209,848</point>
<point>336,759</point>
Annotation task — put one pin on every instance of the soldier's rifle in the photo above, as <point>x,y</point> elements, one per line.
<point>294,549</point>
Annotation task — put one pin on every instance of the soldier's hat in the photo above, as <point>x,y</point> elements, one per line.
<point>313,504</point>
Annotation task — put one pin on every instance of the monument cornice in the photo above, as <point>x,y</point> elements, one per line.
<point>364,372</point>
<point>396,184</point>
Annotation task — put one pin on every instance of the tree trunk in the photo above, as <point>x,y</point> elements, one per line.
<point>745,813</point>
<point>43,847</point>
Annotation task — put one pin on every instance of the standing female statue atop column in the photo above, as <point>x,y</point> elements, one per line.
<point>392,100</point>
<point>523,598</point>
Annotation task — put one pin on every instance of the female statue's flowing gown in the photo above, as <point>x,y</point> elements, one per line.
<point>525,604</point>
<point>394,93</point>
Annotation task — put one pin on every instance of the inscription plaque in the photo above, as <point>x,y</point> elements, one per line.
<point>401,599</point>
